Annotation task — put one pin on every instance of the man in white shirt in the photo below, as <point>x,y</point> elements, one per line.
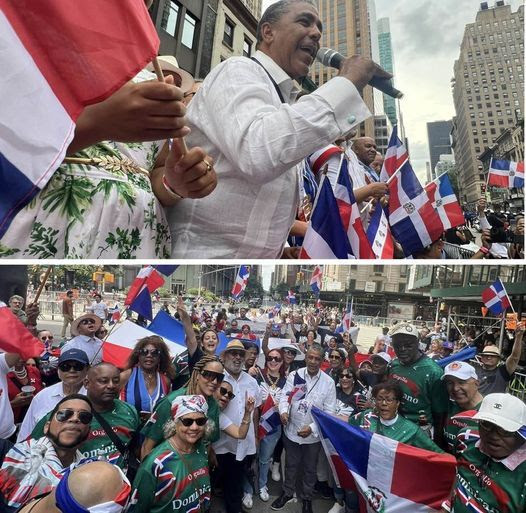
<point>84,328</point>
<point>304,389</point>
<point>245,118</point>
<point>235,456</point>
<point>99,307</point>
<point>73,366</point>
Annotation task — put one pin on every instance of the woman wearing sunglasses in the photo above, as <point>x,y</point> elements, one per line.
<point>336,359</point>
<point>34,466</point>
<point>205,379</point>
<point>223,395</point>
<point>148,375</point>
<point>174,477</point>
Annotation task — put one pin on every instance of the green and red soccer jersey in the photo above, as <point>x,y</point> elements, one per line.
<point>124,420</point>
<point>423,390</point>
<point>162,413</point>
<point>457,420</point>
<point>169,482</point>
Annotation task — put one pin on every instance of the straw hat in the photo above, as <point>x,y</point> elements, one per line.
<point>76,322</point>
<point>169,63</point>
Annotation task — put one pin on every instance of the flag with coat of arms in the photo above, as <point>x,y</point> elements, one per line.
<point>445,202</point>
<point>269,420</point>
<point>506,174</point>
<point>138,299</point>
<point>496,298</point>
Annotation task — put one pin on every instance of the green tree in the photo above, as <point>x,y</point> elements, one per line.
<point>281,290</point>
<point>254,288</point>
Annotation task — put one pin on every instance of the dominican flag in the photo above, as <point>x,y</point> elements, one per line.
<point>350,214</point>
<point>167,270</point>
<point>506,174</point>
<point>269,420</point>
<point>291,298</point>
<point>379,234</point>
<point>325,237</point>
<point>347,318</point>
<point>413,220</point>
<point>318,304</point>
<point>496,298</point>
<point>15,337</point>
<point>315,281</point>
<point>299,388</point>
<point>81,57</point>
<point>241,281</point>
<point>464,355</point>
<point>275,311</point>
<point>388,475</point>
<point>139,300</point>
<point>442,197</point>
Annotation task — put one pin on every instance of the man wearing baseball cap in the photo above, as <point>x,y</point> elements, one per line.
<point>425,396</point>
<point>462,384</point>
<point>491,471</point>
<point>492,376</point>
<point>84,328</point>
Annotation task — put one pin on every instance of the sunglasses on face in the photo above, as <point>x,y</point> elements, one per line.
<point>212,376</point>
<point>489,426</point>
<point>150,352</point>
<point>274,359</point>
<point>335,357</point>
<point>201,421</point>
<point>224,392</point>
<point>68,366</point>
<point>46,337</point>
<point>87,321</point>
<point>234,354</point>
<point>64,415</point>
<point>346,376</point>
<point>289,351</point>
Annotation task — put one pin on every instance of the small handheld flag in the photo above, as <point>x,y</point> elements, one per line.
<point>506,174</point>
<point>496,298</point>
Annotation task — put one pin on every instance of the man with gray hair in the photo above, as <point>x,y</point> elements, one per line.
<point>304,389</point>
<point>15,305</point>
<point>245,117</point>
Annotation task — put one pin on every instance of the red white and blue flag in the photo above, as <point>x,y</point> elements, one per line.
<point>413,220</point>
<point>350,213</point>
<point>241,281</point>
<point>347,318</point>
<point>82,57</point>
<point>388,475</point>
<point>496,298</point>
<point>269,420</point>
<point>379,234</point>
<point>315,281</point>
<point>445,202</point>
<point>291,297</point>
<point>138,299</point>
<point>325,236</point>
<point>506,174</point>
<point>299,388</point>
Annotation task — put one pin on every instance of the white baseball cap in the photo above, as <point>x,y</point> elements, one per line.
<point>460,370</point>
<point>404,328</point>
<point>503,410</point>
<point>383,355</point>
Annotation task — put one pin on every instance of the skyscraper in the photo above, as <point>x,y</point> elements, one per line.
<point>439,140</point>
<point>387,62</point>
<point>488,89</point>
<point>347,29</point>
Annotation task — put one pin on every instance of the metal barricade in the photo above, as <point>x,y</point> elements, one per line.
<point>517,386</point>
<point>453,251</point>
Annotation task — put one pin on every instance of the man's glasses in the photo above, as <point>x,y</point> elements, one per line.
<point>224,392</point>
<point>346,376</point>
<point>290,351</point>
<point>212,376</point>
<point>64,415</point>
<point>68,366</point>
<point>234,354</point>
<point>87,321</point>
<point>274,359</point>
<point>150,352</point>
<point>201,421</point>
<point>47,337</point>
<point>386,400</point>
<point>489,426</point>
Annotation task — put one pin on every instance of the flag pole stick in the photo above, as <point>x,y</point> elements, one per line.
<point>42,284</point>
<point>387,183</point>
<point>179,141</point>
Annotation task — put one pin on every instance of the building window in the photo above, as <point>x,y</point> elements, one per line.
<point>188,31</point>
<point>247,47</point>
<point>170,14</point>
<point>228,34</point>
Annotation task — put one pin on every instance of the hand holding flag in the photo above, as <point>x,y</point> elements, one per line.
<point>496,298</point>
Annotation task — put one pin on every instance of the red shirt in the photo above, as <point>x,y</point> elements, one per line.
<point>14,387</point>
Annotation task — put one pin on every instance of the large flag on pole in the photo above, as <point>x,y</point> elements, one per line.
<point>325,237</point>
<point>506,174</point>
<point>315,281</point>
<point>496,298</point>
<point>139,299</point>
<point>15,337</point>
<point>350,214</point>
<point>389,476</point>
<point>57,58</point>
<point>413,220</point>
<point>241,281</point>
<point>444,200</point>
<point>291,297</point>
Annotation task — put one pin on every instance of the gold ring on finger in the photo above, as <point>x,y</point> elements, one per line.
<point>208,166</point>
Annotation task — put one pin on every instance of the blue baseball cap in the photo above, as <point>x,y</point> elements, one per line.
<point>73,355</point>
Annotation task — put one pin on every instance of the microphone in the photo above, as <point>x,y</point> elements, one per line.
<point>334,59</point>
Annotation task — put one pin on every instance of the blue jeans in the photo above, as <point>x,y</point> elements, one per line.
<point>266,450</point>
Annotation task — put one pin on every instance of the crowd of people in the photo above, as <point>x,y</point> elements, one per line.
<point>222,421</point>
<point>246,187</point>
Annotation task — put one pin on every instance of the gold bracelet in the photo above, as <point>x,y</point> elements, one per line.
<point>170,191</point>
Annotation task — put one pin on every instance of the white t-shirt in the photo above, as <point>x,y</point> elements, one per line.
<point>99,309</point>
<point>7,419</point>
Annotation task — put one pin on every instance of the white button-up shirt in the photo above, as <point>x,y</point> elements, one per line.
<point>256,142</point>
<point>43,402</point>
<point>235,411</point>
<point>92,346</point>
<point>320,392</point>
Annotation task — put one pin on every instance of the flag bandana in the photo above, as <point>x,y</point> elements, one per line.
<point>241,281</point>
<point>496,298</point>
<point>443,199</point>
<point>506,174</point>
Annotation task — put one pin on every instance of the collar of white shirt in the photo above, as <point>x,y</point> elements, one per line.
<point>287,86</point>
